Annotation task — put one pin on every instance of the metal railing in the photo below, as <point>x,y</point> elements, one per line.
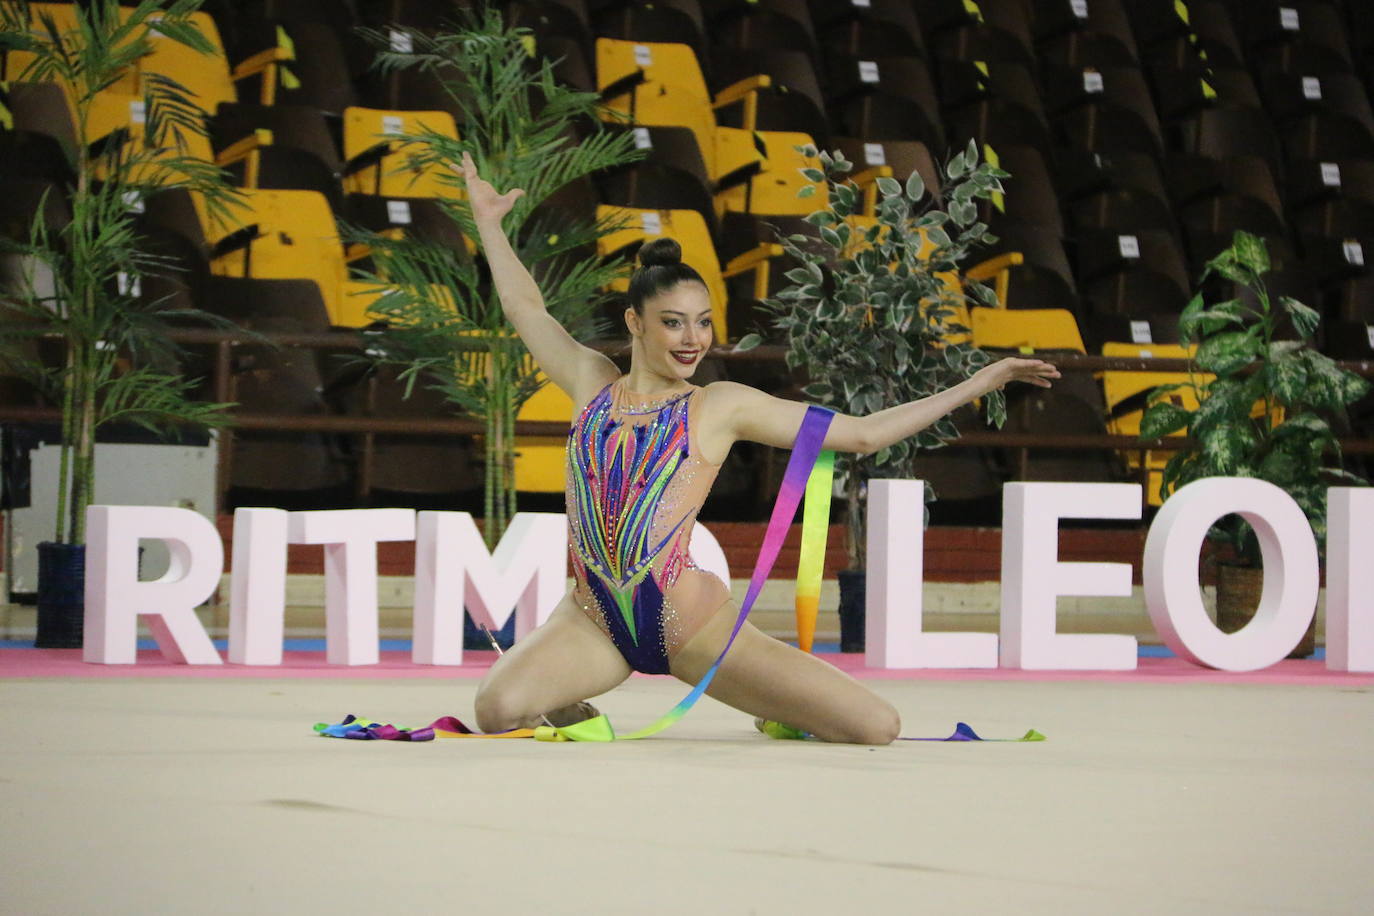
<point>222,387</point>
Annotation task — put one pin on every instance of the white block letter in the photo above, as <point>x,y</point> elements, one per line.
<point>526,576</point>
<point>1032,576</point>
<point>257,588</point>
<point>896,541</point>
<point>1350,579</point>
<point>350,539</point>
<point>115,597</point>
<point>707,554</point>
<point>1287,550</point>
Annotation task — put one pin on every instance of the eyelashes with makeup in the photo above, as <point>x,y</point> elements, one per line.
<point>673,322</point>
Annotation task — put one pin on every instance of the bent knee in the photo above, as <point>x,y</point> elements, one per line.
<point>881,726</point>
<point>497,710</point>
<point>879,723</point>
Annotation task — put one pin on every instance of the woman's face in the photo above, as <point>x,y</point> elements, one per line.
<point>675,330</point>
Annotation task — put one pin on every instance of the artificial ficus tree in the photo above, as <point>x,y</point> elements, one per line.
<point>872,315</point>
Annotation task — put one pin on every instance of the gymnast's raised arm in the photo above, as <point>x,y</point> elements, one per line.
<point>579,370</point>
<point>752,415</point>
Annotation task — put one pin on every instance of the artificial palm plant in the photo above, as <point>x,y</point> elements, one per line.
<point>444,326</point>
<point>83,278</point>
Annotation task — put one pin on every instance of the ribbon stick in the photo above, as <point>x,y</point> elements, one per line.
<point>811,563</point>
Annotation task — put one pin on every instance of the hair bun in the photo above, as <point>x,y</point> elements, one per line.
<point>660,252</point>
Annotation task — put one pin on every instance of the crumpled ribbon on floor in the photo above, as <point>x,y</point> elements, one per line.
<point>963,732</point>
<point>362,729</point>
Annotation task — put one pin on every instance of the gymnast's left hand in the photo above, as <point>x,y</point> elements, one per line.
<point>1014,369</point>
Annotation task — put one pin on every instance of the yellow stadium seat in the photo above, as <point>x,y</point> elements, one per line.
<point>357,298</point>
<point>209,77</point>
<point>539,460</point>
<point>1026,330</point>
<point>689,230</point>
<point>776,161</point>
<point>662,63</point>
<point>282,234</point>
<point>114,112</point>
<point>386,167</point>
<point>206,76</point>
<point>1124,393</point>
<point>63,18</point>
<point>661,84</point>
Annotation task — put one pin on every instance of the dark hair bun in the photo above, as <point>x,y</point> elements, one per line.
<point>660,252</point>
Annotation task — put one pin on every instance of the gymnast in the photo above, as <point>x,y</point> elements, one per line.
<point>642,454</point>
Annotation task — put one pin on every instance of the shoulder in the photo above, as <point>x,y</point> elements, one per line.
<point>592,388</point>
<point>729,394</point>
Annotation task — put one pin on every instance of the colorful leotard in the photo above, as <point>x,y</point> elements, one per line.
<point>635,482</point>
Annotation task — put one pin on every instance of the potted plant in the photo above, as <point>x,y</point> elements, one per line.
<point>441,322</point>
<point>83,278</point>
<point>1265,406</point>
<point>871,318</point>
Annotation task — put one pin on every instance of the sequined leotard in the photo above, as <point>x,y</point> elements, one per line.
<point>635,482</point>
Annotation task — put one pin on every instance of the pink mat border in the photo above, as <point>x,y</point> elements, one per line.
<point>67,663</point>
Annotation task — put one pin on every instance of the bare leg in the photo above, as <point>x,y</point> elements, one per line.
<point>565,660</point>
<point>765,677</point>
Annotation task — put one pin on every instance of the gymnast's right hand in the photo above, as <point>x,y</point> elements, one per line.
<point>487,205</point>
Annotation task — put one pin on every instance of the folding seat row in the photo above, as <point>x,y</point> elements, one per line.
<point>1209,209</point>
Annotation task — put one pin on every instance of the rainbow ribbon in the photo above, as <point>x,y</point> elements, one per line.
<point>811,563</point>
<point>805,452</point>
<point>809,471</point>
<point>962,732</point>
<point>363,729</point>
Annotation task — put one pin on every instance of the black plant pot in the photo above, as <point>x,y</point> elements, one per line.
<point>61,595</point>
<point>853,608</point>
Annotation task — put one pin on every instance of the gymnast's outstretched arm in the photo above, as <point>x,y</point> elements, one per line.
<point>740,412</point>
<point>580,371</point>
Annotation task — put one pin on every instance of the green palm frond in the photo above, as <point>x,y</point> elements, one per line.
<point>516,122</point>
<point>156,400</point>
<point>115,339</point>
<point>171,113</point>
